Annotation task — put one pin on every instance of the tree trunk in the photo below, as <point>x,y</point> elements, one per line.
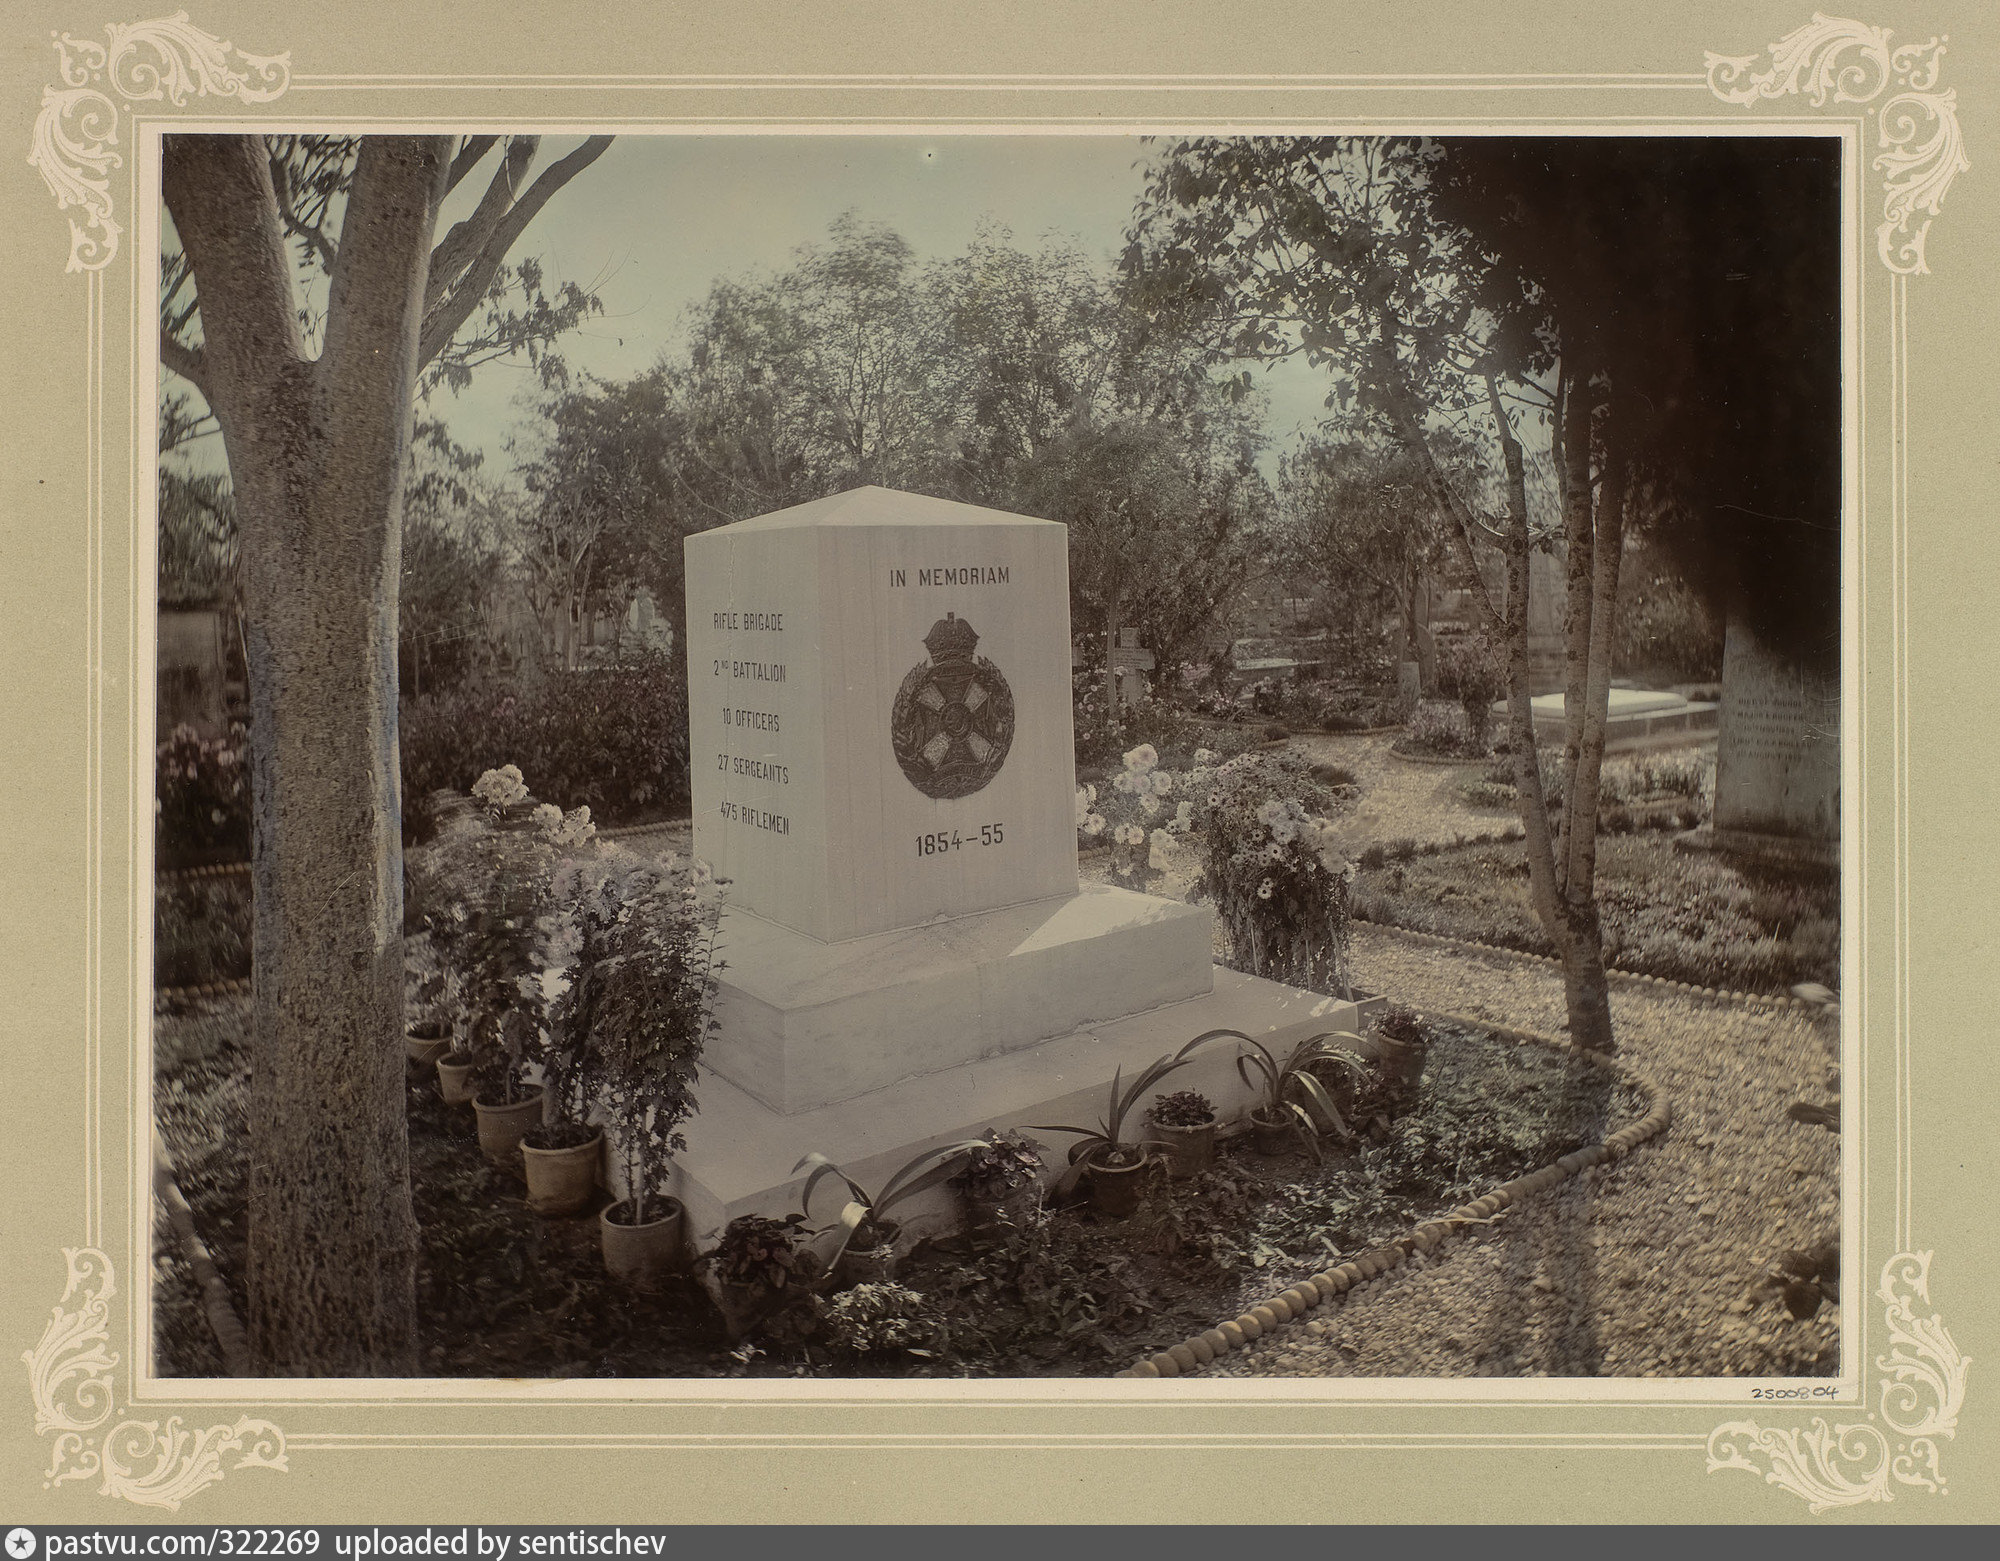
<point>317,451</point>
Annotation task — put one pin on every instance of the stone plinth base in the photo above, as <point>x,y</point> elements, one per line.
<point>740,1152</point>
<point>806,1023</point>
<point>1756,846</point>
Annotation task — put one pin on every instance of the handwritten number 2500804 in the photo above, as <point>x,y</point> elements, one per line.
<point>934,845</point>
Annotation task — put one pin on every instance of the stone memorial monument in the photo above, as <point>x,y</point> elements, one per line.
<point>1778,755</point>
<point>883,770</point>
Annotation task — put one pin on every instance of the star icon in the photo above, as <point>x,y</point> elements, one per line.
<point>20,1544</point>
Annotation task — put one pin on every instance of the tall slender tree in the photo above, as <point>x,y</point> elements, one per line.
<point>317,445</point>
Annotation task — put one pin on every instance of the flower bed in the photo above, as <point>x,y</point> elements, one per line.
<point>1673,914</point>
<point>1060,1293</point>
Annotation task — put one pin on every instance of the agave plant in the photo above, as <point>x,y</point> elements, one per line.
<point>1293,1092</point>
<point>863,1218</point>
<point>1107,1140</point>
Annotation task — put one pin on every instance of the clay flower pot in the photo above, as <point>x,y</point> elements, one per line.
<point>1189,1150</point>
<point>455,1078</point>
<point>503,1124</point>
<point>872,1264</point>
<point>563,1181</point>
<point>1115,1189</point>
<point>1272,1133</point>
<point>642,1255</point>
<point>427,1042</point>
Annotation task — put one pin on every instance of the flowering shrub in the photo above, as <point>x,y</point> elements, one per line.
<point>1472,669</point>
<point>1140,813</point>
<point>1276,866</point>
<point>201,803</point>
<point>875,1318</point>
<point>485,885</point>
<point>1439,731</point>
<point>612,739</point>
<point>631,968</point>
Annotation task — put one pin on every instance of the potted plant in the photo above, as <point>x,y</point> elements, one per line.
<point>1115,1164</point>
<point>866,1247</point>
<point>428,1035</point>
<point>1402,1040</point>
<point>756,1265</point>
<point>1184,1122</point>
<point>487,881</point>
<point>564,1152</point>
<point>649,991</point>
<point>1296,1105</point>
<point>1000,1182</point>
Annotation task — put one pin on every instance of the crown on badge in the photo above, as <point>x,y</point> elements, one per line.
<point>951,639</point>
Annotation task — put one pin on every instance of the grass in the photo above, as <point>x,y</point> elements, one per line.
<point>1685,916</point>
<point>504,1293</point>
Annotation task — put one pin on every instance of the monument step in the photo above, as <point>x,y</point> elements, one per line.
<point>806,1023</point>
<point>740,1151</point>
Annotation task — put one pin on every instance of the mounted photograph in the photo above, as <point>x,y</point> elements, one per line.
<point>946,756</point>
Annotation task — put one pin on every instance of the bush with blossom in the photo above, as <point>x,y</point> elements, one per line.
<point>201,803</point>
<point>630,954</point>
<point>1276,864</point>
<point>1141,813</point>
<point>485,884</point>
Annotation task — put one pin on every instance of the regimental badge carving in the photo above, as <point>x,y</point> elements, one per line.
<point>953,720</point>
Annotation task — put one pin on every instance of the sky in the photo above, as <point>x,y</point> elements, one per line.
<point>658,218</point>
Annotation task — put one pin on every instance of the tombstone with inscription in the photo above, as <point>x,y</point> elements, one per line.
<point>1777,759</point>
<point>883,770</point>
<point>1131,663</point>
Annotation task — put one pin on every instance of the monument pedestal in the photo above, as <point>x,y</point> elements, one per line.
<point>806,1023</point>
<point>740,1150</point>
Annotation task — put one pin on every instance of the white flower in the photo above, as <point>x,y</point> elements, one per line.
<point>1215,799</point>
<point>1150,805</point>
<point>1126,782</point>
<point>1284,832</point>
<point>1142,758</point>
<point>1184,814</point>
<point>1264,889</point>
<point>1082,805</point>
<point>500,789</point>
<point>1130,835</point>
<point>1271,812</point>
<point>1206,756</point>
<point>549,817</point>
<point>1275,851</point>
<point>1093,825</point>
<point>1163,783</point>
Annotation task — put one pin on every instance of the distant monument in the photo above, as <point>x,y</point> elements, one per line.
<point>884,768</point>
<point>1777,761</point>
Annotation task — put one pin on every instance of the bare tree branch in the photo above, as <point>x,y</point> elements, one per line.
<point>455,309</point>
<point>184,360</point>
<point>455,251</point>
<point>468,158</point>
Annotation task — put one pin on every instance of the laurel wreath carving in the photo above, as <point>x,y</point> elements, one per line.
<point>150,1463</point>
<point>167,60</point>
<point>1833,60</point>
<point>1845,1464</point>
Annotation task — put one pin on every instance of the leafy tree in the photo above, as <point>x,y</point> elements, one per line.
<point>1573,286</point>
<point>307,298</point>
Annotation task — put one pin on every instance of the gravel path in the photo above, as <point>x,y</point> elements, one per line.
<point>1643,1268</point>
<point>1401,800</point>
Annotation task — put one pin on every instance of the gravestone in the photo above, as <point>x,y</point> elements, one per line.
<point>1131,663</point>
<point>883,769</point>
<point>1778,757</point>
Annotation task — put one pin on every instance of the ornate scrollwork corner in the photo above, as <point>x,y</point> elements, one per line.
<point>164,60</point>
<point>1833,60</point>
<point>147,1462</point>
<point>1843,1465</point>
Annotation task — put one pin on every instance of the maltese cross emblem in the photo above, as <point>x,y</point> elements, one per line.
<point>953,719</point>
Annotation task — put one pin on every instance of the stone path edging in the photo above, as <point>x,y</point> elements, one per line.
<point>1196,1351</point>
<point>1714,994</point>
<point>216,1307</point>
